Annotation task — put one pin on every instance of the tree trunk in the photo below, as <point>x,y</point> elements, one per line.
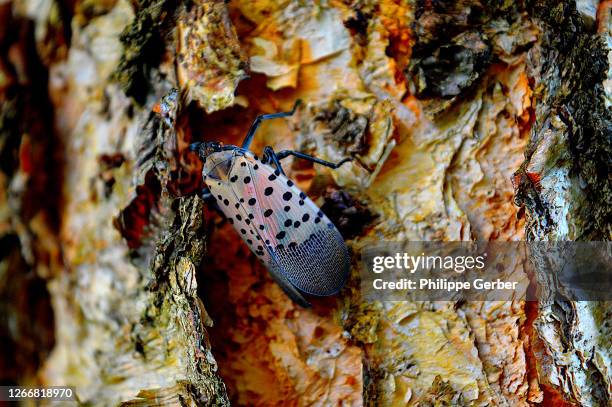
<point>469,120</point>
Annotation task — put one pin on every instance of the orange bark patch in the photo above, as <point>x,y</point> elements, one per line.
<point>604,14</point>
<point>270,351</point>
<point>25,155</point>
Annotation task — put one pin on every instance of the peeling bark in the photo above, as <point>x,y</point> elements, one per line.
<point>469,120</point>
<point>570,152</point>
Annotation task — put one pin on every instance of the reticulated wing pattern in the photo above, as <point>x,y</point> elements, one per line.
<point>278,276</point>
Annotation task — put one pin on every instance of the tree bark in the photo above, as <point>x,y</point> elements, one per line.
<point>469,120</point>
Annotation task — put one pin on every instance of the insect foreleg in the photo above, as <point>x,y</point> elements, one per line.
<point>286,153</point>
<point>249,137</point>
<point>207,196</point>
<point>270,157</point>
<point>210,201</point>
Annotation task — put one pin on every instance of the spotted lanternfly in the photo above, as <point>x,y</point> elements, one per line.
<point>300,246</point>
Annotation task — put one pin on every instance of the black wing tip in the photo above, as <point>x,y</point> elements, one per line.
<point>336,290</point>
<point>345,274</point>
<point>296,293</point>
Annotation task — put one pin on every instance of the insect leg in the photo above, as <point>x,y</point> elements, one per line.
<point>249,137</point>
<point>210,201</point>
<point>207,196</point>
<point>269,157</point>
<point>285,153</point>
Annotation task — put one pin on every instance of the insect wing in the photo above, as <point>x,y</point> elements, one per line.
<point>288,288</point>
<point>307,247</point>
<point>231,199</point>
<point>236,198</point>
<point>284,228</point>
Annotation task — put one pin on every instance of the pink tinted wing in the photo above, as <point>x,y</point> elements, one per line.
<point>237,199</point>
<point>307,248</point>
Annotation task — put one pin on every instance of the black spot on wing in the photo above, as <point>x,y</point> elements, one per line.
<point>279,221</point>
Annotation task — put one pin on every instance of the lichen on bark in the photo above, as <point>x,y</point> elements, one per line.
<point>565,185</point>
